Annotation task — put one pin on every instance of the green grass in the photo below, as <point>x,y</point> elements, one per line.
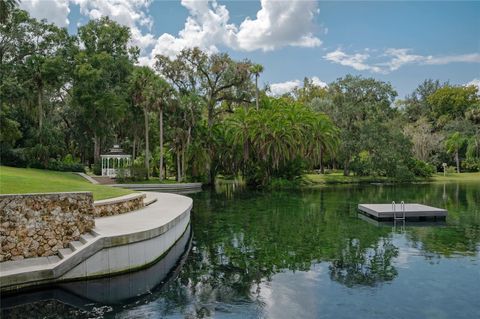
<point>15,180</point>
<point>338,178</point>
<point>455,177</point>
<point>152,180</point>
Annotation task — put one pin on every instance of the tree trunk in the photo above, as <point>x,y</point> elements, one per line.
<point>179,173</point>
<point>184,174</point>
<point>346,172</point>
<point>40,108</point>
<point>160,120</point>
<point>134,153</point>
<point>256,90</point>
<point>322,168</point>
<point>457,161</point>
<point>147,162</point>
<point>96,148</point>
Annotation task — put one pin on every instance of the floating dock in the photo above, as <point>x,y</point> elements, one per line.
<point>402,211</point>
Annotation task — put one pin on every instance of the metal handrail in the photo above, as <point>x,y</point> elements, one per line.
<point>402,208</point>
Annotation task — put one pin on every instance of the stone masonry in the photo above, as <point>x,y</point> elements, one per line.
<point>115,207</point>
<point>35,225</point>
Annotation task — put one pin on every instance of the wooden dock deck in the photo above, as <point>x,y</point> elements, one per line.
<point>412,211</point>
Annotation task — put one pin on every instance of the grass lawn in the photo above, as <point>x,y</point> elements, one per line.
<point>15,180</point>
<point>338,178</point>
<point>152,180</point>
<point>455,177</point>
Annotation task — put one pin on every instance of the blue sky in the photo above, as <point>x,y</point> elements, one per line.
<point>403,42</point>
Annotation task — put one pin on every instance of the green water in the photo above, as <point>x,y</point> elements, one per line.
<point>307,254</point>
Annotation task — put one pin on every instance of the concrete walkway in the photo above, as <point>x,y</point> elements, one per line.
<point>153,220</point>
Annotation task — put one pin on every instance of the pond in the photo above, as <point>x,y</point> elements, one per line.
<point>298,254</point>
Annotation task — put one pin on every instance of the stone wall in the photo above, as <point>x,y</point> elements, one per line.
<point>35,225</point>
<point>119,205</point>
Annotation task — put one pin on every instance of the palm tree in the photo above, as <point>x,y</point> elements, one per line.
<point>453,145</point>
<point>256,69</point>
<point>160,94</point>
<point>325,138</point>
<point>141,79</point>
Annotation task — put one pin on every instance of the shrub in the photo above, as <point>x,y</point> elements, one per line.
<point>139,172</point>
<point>57,165</point>
<point>403,174</point>
<point>471,165</point>
<point>13,157</point>
<point>421,168</point>
<point>97,168</point>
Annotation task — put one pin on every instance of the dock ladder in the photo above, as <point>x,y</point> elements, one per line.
<point>402,208</point>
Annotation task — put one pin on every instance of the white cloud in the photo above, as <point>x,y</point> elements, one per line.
<point>400,57</point>
<point>475,82</point>
<point>466,58</point>
<point>392,59</point>
<point>316,81</point>
<point>206,26</point>
<point>277,24</point>
<point>130,13</point>
<point>278,89</point>
<point>356,61</point>
<point>54,11</point>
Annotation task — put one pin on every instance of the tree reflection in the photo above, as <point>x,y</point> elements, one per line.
<point>357,266</point>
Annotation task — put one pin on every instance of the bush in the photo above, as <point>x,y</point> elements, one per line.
<point>139,172</point>
<point>13,157</point>
<point>421,168</point>
<point>97,169</point>
<point>451,170</point>
<point>56,165</point>
<point>471,165</point>
<point>403,174</point>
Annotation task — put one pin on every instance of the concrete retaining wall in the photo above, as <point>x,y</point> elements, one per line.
<point>35,225</point>
<point>117,259</point>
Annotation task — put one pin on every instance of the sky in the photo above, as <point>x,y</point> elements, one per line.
<point>401,42</point>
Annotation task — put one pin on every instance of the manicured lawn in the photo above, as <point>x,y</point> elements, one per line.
<point>455,177</point>
<point>152,180</point>
<point>338,178</point>
<point>29,180</point>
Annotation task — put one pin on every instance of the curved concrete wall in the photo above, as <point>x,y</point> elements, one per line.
<point>117,244</point>
<point>128,257</point>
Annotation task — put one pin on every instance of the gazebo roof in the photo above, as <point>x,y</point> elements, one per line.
<point>116,151</point>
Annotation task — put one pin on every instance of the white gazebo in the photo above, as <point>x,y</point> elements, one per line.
<point>115,160</point>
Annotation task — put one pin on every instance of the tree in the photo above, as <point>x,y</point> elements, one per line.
<point>451,102</point>
<point>453,145</point>
<point>143,78</point>
<point>416,105</point>
<point>211,77</point>
<point>356,104</point>
<point>6,7</point>
<point>256,69</point>
<point>424,139</point>
<point>276,141</point>
<point>160,94</point>
<point>102,68</point>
